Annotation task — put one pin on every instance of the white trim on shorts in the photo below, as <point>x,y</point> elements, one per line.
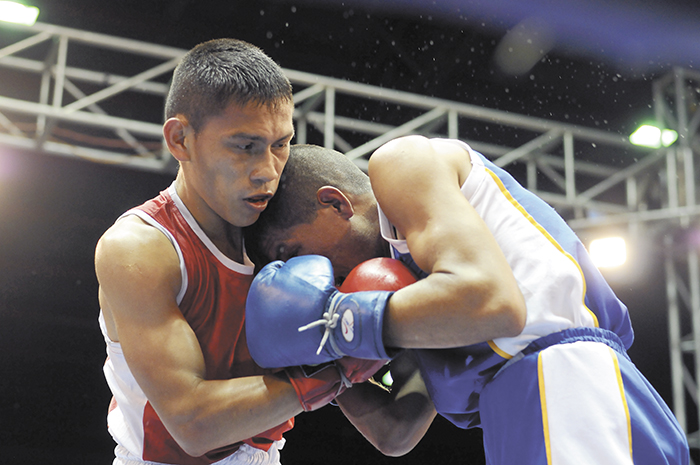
<point>245,455</point>
<point>584,409</point>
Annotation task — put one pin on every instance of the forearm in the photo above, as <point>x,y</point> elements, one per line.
<point>394,422</point>
<point>393,431</point>
<point>223,412</point>
<point>442,312</point>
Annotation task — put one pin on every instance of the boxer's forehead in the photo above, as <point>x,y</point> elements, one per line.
<point>315,238</point>
<point>325,237</point>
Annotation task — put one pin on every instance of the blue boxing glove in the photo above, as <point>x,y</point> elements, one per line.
<point>296,316</point>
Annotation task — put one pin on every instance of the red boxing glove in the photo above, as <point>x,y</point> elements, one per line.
<point>317,386</point>
<point>358,370</point>
<point>378,274</point>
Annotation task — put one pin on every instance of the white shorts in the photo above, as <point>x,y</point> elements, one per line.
<point>245,455</point>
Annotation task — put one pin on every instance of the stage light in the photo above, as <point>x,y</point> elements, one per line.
<point>608,252</point>
<point>650,136</point>
<point>13,12</point>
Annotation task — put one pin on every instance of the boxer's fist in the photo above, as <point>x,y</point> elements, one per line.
<point>358,370</point>
<point>319,385</point>
<point>296,316</point>
<point>378,274</point>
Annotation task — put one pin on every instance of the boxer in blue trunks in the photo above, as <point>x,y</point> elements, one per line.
<point>510,327</point>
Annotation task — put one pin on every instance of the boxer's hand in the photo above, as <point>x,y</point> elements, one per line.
<point>317,386</point>
<point>378,274</point>
<point>296,316</point>
<point>358,370</point>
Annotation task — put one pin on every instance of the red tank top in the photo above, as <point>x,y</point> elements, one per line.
<point>214,306</point>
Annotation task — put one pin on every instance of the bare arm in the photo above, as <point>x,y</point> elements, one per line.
<point>394,422</point>
<point>471,294</point>
<point>139,278</point>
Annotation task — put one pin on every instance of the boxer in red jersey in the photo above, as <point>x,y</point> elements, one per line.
<point>174,274</point>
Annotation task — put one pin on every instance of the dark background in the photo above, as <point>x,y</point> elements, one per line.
<point>53,397</point>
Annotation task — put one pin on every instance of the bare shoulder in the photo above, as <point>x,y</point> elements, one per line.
<point>131,239</point>
<point>418,155</point>
<point>455,156</point>
<point>136,266</point>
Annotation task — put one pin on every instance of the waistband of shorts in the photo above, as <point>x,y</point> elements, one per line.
<point>244,454</point>
<point>569,336</point>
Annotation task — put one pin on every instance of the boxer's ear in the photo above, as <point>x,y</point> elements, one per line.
<point>175,134</point>
<point>329,196</point>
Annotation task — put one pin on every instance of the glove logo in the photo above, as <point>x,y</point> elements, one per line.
<point>348,325</point>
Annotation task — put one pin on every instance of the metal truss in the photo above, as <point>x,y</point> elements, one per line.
<point>74,93</point>
<point>676,104</point>
<point>60,95</point>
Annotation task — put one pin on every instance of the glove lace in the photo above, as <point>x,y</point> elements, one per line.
<point>329,319</point>
<point>344,382</point>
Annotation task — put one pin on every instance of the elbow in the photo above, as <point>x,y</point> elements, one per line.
<point>503,312</point>
<point>515,324</point>
<point>394,451</point>
<point>513,318</point>
<point>190,441</point>
<point>395,445</point>
<point>398,451</point>
<point>499,313</point>
<point>391,436</point>
<point>404,435</point>
<point>189,433</point>
<point>194,451</point>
